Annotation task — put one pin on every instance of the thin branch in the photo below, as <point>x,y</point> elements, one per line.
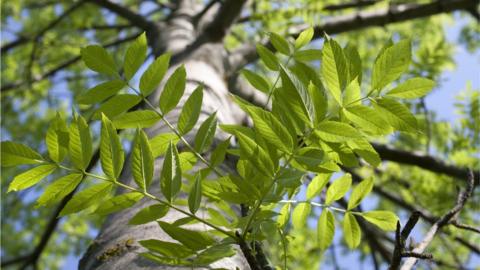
<point>444,220</point>
<point>205,9</point>
<point>465,226</point>
<point>341,24</point>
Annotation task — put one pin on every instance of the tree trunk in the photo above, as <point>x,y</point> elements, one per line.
<point>116,246</point>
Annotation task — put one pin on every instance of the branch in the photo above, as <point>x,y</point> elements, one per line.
<point>465,226</point>
<point>121,11</point>
<point>444,220</point>
<point>341,24</point>
<point>423,161</point>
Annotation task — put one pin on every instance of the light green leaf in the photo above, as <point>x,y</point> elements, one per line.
<point>304,38</point>
<point>149,214</point>
<point>101,92</point>
<point>268,126</point>
<point>309,158</point>
<point>195,195</point>
<point>317,184</point>
<point>57,139</point>
<point>351,231</point>
<point>332,131</point>
<point>56,191</point>
<point>354,62</point>
<point>385,220</point>
<point>214,253</point>
<point>87,198</point>
<point>142,160</point>
<point>325,229</point>
<point>31,177</point>
<point>391,63</point>
<point>135,55</point>
<point>118,203</point>
<point>187,161</point>
<point>334,69</point>
<point>80,143</point>
<point>397,115</point>
<point>218,155</point>
<point>18,154</point>
<point>190,111</point>
<point>97,59</point>
<point>152,77</point>
<point>300,214</point>
<point>366,151</point>
<point>308,55</point>
<point>255,154</point>
<point>171,176</point>
<point>111,151</point>
<point>116,105</point>
<point>159,143</point>
<point>280,44</point>
<point>268,58</point>
<point>284,216</point>
<point>173,90</point>
<point>206,133</point>
<point>412,88</point>
<point>256,81</point>
<point>359,192</point>
<point>320,102</point>
<point>352,94</point>
<point>167,249</point>
<point>338,188</point>
<point>136,119</point>
<point>192,239</point>
<point>367,119</point>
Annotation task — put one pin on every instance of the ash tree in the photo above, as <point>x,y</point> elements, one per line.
<point>235,135</point>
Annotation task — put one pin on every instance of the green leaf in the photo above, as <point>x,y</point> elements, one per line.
<point>171,176</point>
<point>116,105</point>
<point>255,154</point>
<point>268,126</point>
<point>284,216</point>
<point>149,214</point>
<point>87,198</point>
<point>14,154</point>
<point>351,231</point>
<point>325,229</point>
<point>338,188</point>
<point>352,94</point>
<point>159,143</point>
<point>135,55</point>
<point>118,203</point>
<point>192,239</point>
<point>97,59</point>
<point>136,119</point>
<point>160,260</point>
<point>354,62</point>
<point>256,81</point>
<point>190,111</point>
<point>152,77</point>
<point>218,155</point>
<point>142,160</point>
<point>31,177</point>
<point>214,253</point>
<point>300,215</point>
<point>187,161</point>
<point>268,58</point>
<point>317,184</point>
<point>391,63</point>
<point>385,220</point>
<point>80,143</point>
<point>309,158</point>
<point>57,139</point>
<point>334,69</point>
<point>111,151</point>
<point>320,102</point>
<point>367,119</point>
<point>101,92</point>
<point>308,55</point>
<point>332,131</point>
<point>280,44</point>
<point>359,192</point>
<point>167,249</point>
<point>173,90</point>
<point>412,88</point>
<point>206,133</point>
<point>304,38</point>
<point>366,151</point>
<point>397,115</point>
<point>195,195</point>
<point>56,191</point>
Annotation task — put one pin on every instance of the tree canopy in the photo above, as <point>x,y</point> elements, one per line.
<point>239,134</point>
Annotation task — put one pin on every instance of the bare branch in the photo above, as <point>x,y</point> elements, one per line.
<point>341,24</point>
<point>465,226</point>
